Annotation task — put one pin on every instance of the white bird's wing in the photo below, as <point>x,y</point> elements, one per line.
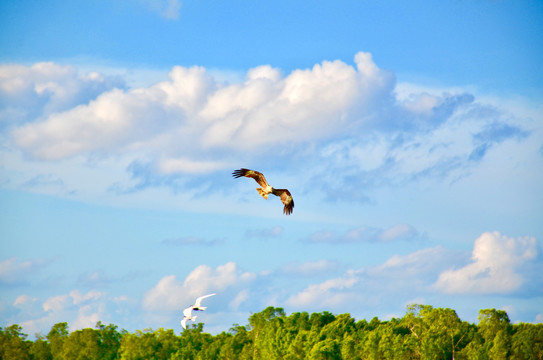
<point>188,312</point>
<point>184,323</point>
<point>199,300</point>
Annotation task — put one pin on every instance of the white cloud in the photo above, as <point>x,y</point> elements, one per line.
<point>414,262</point>
<point>408,274</point>
<point>401,279</point>
<point>37,326</point>
<point>349,126</point>
<point>180,165</point>
<point>117,119</point>
<point>80,310</point>
<point>398,232</point>
<point>397,280</point>
<point>170,294</point>
<point>331,292</point>
<point>120,299</point>
<point>15,271</point>
<point>55,303</point>
<point>23,300</point>
<point>306,105</point>
<point>169,289</point>
<point>422,103</point>
<point>496,260</point>
<point>169,9</point>
<point>310,268</point>
<point>240,298</point>
<point>78,297</point>
<point>193,108</point>
<point>322,236</point>
<point>273,232</point>
<point>113,120</point>
<point>510,310</point>
<point>30,92</point>
<point>100,280</point>
<point>87,317</point>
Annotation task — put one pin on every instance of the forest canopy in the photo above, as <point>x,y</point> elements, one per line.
<point>424,332</point>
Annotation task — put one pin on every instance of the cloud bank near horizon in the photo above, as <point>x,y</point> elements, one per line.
<point>499,265</point>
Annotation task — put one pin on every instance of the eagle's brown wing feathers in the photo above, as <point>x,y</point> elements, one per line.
<point>286,199</point>
<point>284,194</point>
<point>259,177</point>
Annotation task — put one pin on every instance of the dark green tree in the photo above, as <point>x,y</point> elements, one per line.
<point>110,340</point>
<point>192,341</point>
<point>327,349</point>
<point>57,335</point>
<point>423,333</point>
<point>83,345</point>
<point>527,341</point>
<point>263,327</point>
<point>41,349</point>
<point>12,343</point>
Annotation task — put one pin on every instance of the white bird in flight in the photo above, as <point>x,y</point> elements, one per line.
<point>187,313</point>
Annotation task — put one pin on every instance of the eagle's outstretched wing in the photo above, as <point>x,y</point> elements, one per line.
<point>266,189</point>
<point>258,176</point>
<point>286,199</point>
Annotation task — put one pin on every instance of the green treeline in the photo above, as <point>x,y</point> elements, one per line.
<point>423,333</point>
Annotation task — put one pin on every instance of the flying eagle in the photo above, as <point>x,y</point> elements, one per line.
<point>266,189</point>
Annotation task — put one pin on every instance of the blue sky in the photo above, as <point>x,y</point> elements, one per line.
<point>409,133</point>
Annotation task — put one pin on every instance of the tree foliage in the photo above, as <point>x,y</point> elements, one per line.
<point>423,332</point>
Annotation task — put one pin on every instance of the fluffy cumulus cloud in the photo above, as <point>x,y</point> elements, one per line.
<point>496,267</point>
<point>161,304</point>
<point>500,265</point>
<point>55,303</point>
<point>80,310</point>
<point>169,292</point>
<point>28,93</point>
<point>398,277</point>
<point>349,126</point>
<point>330,293</point>
<point>192,108</point>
